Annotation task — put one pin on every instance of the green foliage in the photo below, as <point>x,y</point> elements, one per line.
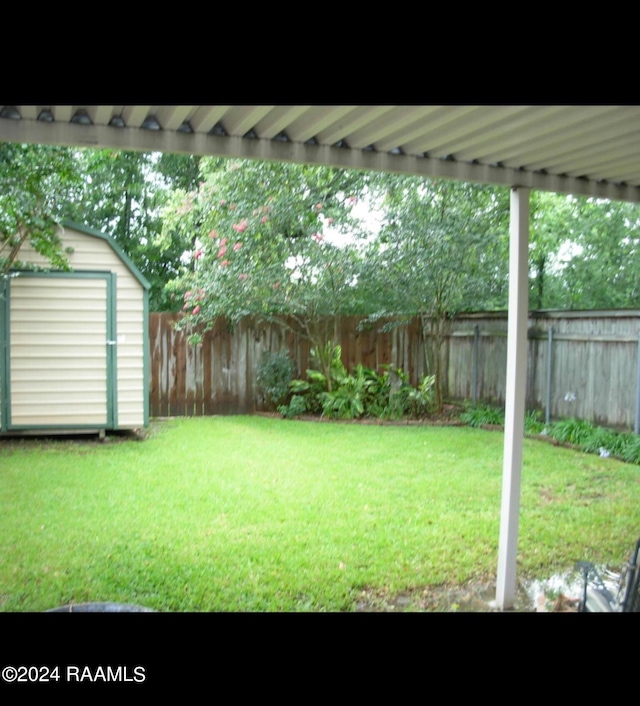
<point>441,249</point>
<point>572,431</point>
<point>603,441</point>
<point>596,440</point>
<point>419,401</point>
<point>33,181</point>
<point>533,422</point>
<point>297,406</point>
<point>378,392</point>
<point>397,399</point>
<point>583,252</point>
<point>479,415</point>
<point>327,367</point>
<point>630,448</point>
<point>260,247</point>
<point>339,394</point>
<point>179,171</point>
<point>326,374</point>
<point>273,376</point>
<point>577,432</point>
<point>347,399</point>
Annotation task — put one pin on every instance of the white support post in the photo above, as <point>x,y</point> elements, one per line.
<point>515,396</point>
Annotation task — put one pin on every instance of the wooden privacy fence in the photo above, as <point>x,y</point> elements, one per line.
<point>218,376</point>
<point>580,364</point>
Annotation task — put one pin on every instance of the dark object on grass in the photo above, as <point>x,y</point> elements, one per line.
<point>101,608</point>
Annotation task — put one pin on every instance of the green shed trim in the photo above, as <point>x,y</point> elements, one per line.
<point>146,355</point>
<point>4,352</point>
<point>112,362</point>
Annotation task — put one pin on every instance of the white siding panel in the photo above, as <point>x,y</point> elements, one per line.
<point>57,372</point>
<point>91,253</point>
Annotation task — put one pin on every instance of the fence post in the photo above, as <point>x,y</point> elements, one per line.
<point>636,426</point>
<point>547,417</point>
<point>476,336</point>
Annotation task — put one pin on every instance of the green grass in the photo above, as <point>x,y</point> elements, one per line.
<point>262,514</point>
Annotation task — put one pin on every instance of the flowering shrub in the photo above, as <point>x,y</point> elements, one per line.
<point>258,245</point>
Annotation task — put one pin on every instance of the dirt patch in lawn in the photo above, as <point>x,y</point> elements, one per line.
<point>472,597</point>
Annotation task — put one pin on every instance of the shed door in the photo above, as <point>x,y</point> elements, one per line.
<point>60,360</point>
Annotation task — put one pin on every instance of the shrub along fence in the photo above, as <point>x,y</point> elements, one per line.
<point>580,364</point>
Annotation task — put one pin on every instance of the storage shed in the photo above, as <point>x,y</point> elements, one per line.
<point>74,346</point>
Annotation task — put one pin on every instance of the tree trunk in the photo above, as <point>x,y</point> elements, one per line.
<point>434,334</point>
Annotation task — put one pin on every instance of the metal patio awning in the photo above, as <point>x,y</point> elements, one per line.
<point>585,150</point>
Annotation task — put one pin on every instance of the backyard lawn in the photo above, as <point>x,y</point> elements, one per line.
<point>245,513</point>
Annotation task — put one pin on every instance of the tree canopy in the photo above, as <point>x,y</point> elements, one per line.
<point>34,180</point>
<point>257,237</point>
<point>441,250</point>
<point>260,244</point>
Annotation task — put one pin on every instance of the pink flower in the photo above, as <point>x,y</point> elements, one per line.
<point>352,199</point>
<point>232,207</point>
<point>198,254</point>
<point>186,306</point>
<point>187,295</point>
<point>329,221</point>
<point>224,263</point>
<point>264,219</point>
<point>222,252</point>
<point>223,202</point>
<point>243,276</point>
<point>224,241</point>
<point>237,246</point>
<point>319,206</point>
<point>317,237</point>
<point>213,234</point>
<point>240,227</point>
<point>196,310</point>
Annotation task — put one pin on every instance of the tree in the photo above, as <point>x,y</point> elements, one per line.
<point>584,253</point>
<point>552,223</point>
<point>442,250</point>
<point>122,193</point>
<point>33,181</point>
<point>603,269</point>
<point>260,246</point>
<point>179,171</point>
